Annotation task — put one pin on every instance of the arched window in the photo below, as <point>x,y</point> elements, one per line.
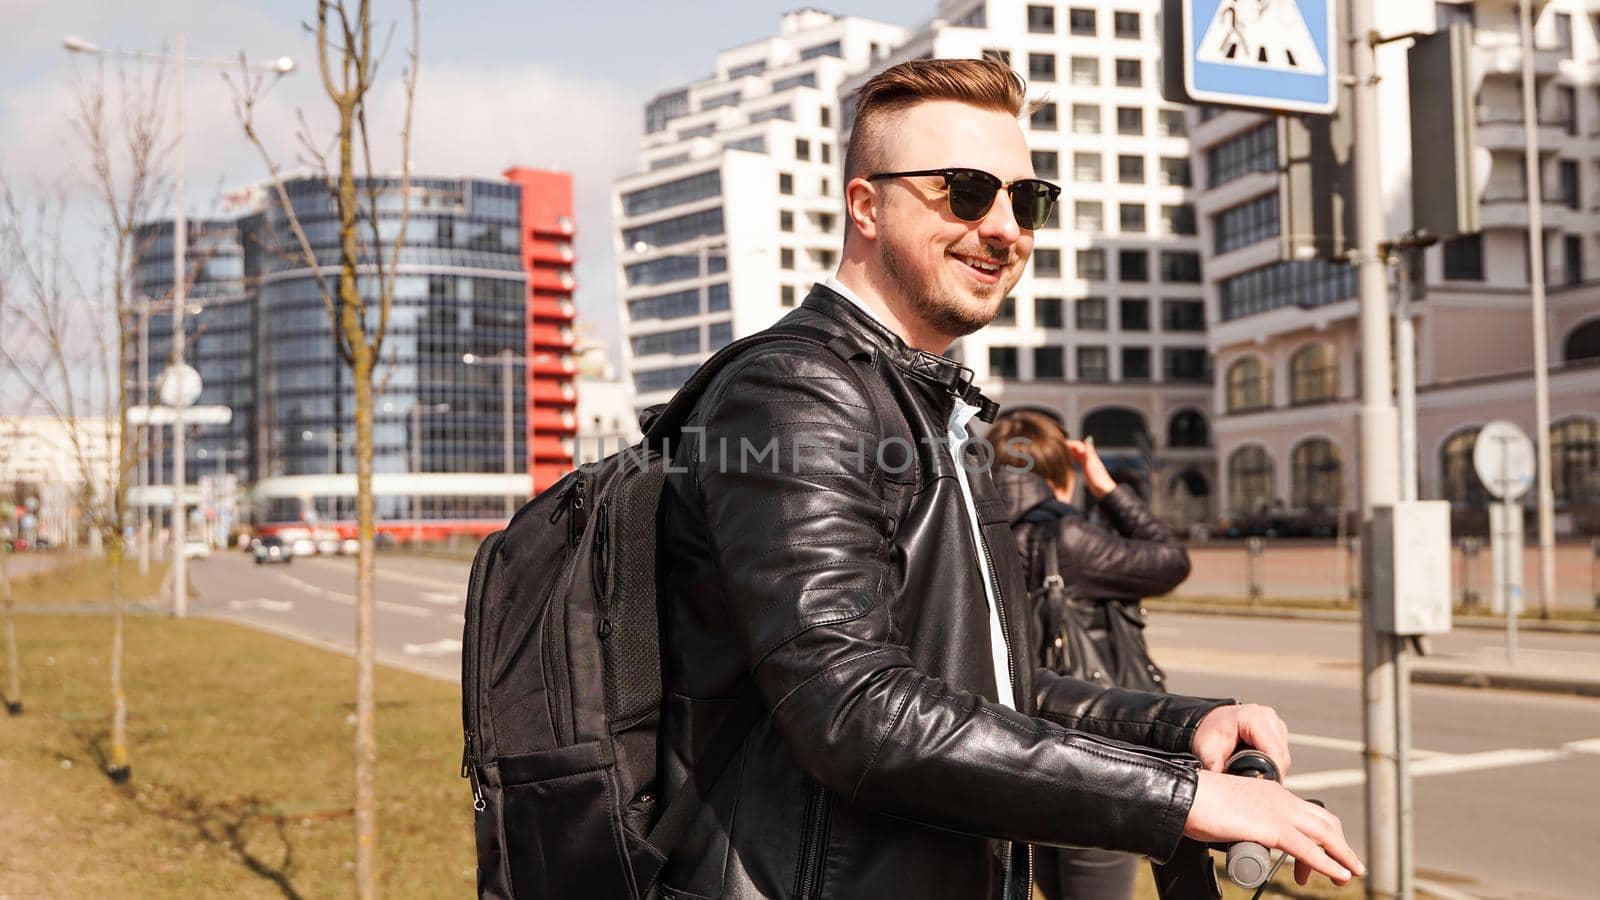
<point>1116,427</point>
<point>1314,374</point>
<point>1575,460</point>
<point>1584,342</point>
<point>1317,476</point>
<point>1458,479</point>
<point>1188,428</point>
<point>1249,387</point>
<point>1250,480</point>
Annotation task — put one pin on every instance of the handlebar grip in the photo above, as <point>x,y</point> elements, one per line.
<point>1248,864</point>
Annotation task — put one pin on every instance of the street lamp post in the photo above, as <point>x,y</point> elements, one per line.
<point>507,359</point>
<point>180,235</point>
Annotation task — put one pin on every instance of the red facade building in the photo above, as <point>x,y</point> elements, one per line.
<point>547,257</point>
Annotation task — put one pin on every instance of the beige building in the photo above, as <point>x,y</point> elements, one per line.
<point>1284,334</point>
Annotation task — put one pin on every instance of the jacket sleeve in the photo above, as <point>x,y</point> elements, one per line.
<point>800,540</point>
<point>1144,559</point>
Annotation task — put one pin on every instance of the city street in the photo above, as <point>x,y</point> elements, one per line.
<point>1505,781</point>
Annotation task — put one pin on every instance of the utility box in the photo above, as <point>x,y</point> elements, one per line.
<point>1408,562</point>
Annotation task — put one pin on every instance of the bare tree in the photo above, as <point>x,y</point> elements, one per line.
<point>358,299</point>
<point>8,447</point>
<point>76,341</point>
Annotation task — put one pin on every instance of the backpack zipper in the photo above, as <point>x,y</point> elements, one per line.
<point>476,586</point>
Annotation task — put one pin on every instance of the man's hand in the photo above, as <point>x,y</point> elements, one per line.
<point>1083,455</point>
<point>1223,729</point>
<point>1228,808</point>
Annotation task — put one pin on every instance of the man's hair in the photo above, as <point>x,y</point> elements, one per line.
<point>1030,439</point>
<point>984,83</point>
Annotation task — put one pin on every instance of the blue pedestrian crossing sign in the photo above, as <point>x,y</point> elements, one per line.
<point>1268,54</point>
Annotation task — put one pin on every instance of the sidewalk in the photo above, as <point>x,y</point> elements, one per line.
<point>1541,670</point>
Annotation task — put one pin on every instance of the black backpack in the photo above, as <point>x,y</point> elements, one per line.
<point>561,677</point>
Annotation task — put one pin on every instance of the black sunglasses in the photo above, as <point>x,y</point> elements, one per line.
<point>972,193</point>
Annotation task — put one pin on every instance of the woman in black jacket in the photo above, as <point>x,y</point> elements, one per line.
<point>1103,576</point>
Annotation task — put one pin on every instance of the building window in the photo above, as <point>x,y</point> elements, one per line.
<point>1081,22</point>
<point>1085,71</point>
<point>1245,224</point>
<point>833,48</point>
<point>1007,314</point>
<point>1003,362</point>
<point>825,117</point>
<point>1304,283</point>
<point>1131,218</point>
<point>1188,428</point>
<point>1178,219</point>
<point>824,187</point>
<point>1575,460</point>
<point>802,149</point>
<point>1183,315</point>
<point>1133,314</point>
<point>1180,267</point>
<point>1186,364</point>
<point>1043,118</point>
<point>786,258</point>
<point>1314,374</point>
<point>675,230</point>
<point>1563,25</point>
<point>804,79</point>
<point>1047,312</point>
<point>679,342</point>
<point>719,335</point>
<point>1088,215</point>
<point>1090,313</point>
<point>786,295</point>
<point>1175,171</point>
<point>1250,479</point>
<point>1458,475</point>
<point>784,112</point>
<point>1130,73</point>
<point>1170,123</point>
<point>1133,265</point>
<point>1463,258</point>
<point>1254,151</point>
<point>677,192</point>
<point>1086,167</point>
<point>1130,169</point>
<point>998,55</point>
<point>1126,25</point>
<point>1046,164</point>
<point>1315,476</point>
<point>1085,118</point>
<point>1047,263</point>
<point>1135,363</point>
<point>1094,364</point>
<point>1572,251</point>
<point>785,183</point>
<point>827,153</point>
<point>1249,386</point>
<point>1041,66</point>
<point>1041,20</point>
<point>976,17</point>
<point>1130,120</point>
<point>1091,264</point>
<point>729,99</point>
<point>1049,364</point>
<point>1583,342</point>
<point>1567,171</point>
<point>747,70</point>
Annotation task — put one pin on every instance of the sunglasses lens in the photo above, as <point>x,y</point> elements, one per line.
<point>1031,203</point>
<point>971,195</point>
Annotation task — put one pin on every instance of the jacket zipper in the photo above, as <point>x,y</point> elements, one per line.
<point>815,839</point>
<point>1011,672</point>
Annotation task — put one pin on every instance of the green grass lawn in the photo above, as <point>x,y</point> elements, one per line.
<point>82,578</point>
<point>242,769</point>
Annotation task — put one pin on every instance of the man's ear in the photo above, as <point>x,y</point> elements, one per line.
<point>861,204</point>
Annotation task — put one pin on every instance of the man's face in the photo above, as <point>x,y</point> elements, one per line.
<point>954,273</point>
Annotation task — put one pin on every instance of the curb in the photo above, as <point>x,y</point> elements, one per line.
<point>1333,615</point>
<point>1506,680</point>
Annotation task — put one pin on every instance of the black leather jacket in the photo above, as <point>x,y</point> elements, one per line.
<point>847,595</point>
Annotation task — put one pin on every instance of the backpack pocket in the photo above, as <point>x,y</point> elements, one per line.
<point>561,805</point>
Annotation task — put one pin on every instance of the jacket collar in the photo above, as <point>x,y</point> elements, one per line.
<point>942,371</point>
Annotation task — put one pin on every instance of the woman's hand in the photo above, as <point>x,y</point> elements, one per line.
<point>1083,455</point>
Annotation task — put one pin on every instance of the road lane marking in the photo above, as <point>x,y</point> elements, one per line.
<point>317,590</point>
<point>263,603</point>
<point>433,648</point>
<point>1590,746</point>
<point>443,598</point>
<point>404,577</point>
<point>1350,746</point>
<point>1440,764</point>
<point>405,610</point>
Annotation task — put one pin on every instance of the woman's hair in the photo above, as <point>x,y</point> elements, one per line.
<point>984,83</point>
<point>1031,439</point>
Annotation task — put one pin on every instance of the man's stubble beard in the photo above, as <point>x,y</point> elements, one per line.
<point>942,312</point>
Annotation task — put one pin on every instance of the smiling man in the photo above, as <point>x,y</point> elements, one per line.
<point>856,618</point>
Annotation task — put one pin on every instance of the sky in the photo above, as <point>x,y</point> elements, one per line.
<point>547,84</point>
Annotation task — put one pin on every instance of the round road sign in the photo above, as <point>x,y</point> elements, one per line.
<point>1503,458</point>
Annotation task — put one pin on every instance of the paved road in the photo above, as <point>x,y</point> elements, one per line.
<point>1507,783</point>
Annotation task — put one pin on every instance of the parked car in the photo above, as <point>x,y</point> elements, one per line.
<point>271,550</point>
<point>328,546</point>
<point>303,547</point>
<point>349,546</point>
<point>196,548</point>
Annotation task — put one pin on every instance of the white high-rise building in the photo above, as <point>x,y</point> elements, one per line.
<point>1108,325</point>
<point>737,210</point>
<point>1285,334</point>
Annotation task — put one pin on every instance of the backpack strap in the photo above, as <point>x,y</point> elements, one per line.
<point>671,828</point>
